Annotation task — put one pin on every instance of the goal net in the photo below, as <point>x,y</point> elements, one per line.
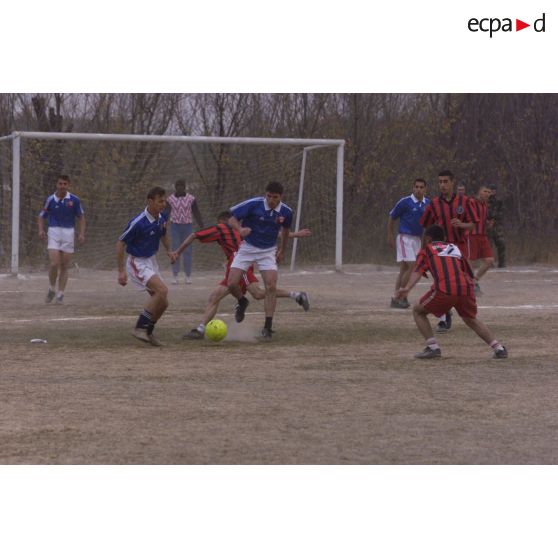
<point>111,175</point>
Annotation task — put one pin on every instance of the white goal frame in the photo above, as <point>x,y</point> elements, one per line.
<point>307,144</point>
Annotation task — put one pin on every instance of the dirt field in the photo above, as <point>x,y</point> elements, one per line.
<point>336,385</point>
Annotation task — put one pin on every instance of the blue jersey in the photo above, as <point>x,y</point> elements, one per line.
<point>409,211</point>
<point>264,221</point>
<point>62,212</point>
<point>143,233</point>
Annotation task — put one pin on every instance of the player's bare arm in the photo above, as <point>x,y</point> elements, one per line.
<point>390,234</point>
<point>235,224</point>
<point>282,243</point>
<point>301,233</point>
<point>461,225</point>
<point>413,280</point>
<point>41,225</point>
<point>81,229</point>
<point>120,258</point>
<point>187,241</point>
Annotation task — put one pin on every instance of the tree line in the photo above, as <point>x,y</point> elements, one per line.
<point>508,140</point>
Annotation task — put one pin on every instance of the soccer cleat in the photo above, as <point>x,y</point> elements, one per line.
<point>442,327</point>
<point>404,303</point>
<point>153,340</point>
<point>240,309</point>
<point>188,280</point>
<point>175,280</point>
<point>50,296</point>
<point>429,353</point>
<point>193,334</point>
<point>266,334</point>
<point>141,334</point>
<point>501,353</point>
<point>60,299</point>
<point>303,300</point>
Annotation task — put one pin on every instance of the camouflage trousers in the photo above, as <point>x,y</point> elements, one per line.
<point>496,235</point>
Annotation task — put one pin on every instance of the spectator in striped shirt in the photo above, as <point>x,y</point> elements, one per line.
<point>229,240</point>
<point>456,215</point>
<point>182,207</point>
<point>453,287</point>
<point>479,244</point>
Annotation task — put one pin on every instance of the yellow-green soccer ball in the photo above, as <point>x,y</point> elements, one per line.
<point>216,330</point>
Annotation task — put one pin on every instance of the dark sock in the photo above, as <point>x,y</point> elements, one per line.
<point>145,320</point>
<point>268,322</point>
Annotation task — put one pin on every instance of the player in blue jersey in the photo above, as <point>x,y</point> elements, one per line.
<point>264,224</point>
<point>61,210</point>
<point>140,240</point>
<point>408,210</point>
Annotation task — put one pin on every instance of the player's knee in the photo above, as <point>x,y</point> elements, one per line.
<point>419,310</point>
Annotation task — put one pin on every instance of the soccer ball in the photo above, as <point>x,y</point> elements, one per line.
<point>216,330</point>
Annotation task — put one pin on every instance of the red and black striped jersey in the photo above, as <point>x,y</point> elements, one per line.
<point>450,271</point>
<point>482,212</point>
<point>226,236</point>
<point>441,212</point>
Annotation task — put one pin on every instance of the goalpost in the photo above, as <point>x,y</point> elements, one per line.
<point>112,172</point>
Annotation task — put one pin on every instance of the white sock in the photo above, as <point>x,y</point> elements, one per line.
<point>201,328</point>
<point>496,345</point>
<point>432,343</point>
<point>294,294</point>
<point>60,293</point>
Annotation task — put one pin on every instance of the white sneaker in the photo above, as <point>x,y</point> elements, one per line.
<point>154,341</point>
<point>60,299</point>
<point>188,280</point>
<point>141,334</point>
<point>174,280</point>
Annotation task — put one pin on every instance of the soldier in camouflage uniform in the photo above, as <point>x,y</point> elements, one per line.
<point>496,231</point>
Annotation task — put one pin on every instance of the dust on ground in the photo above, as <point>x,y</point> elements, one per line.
<point>337,384</point>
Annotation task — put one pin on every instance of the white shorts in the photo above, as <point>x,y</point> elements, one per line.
<point>247,255</point>
<point>140,270</point>
<point>408,246</point>
<point>61,238</point>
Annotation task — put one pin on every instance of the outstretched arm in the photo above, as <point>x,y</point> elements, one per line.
<point>235,224</point>
<point>300,234</point>
<point>413,280</point>
<point>176,254</point>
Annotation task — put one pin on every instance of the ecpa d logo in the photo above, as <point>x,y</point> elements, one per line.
<point>493,25</point>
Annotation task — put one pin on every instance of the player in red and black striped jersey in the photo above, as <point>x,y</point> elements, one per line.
<point>453,287</point>
<point>479,244</point>
<point>456,215</point>
<point>229,240</point>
